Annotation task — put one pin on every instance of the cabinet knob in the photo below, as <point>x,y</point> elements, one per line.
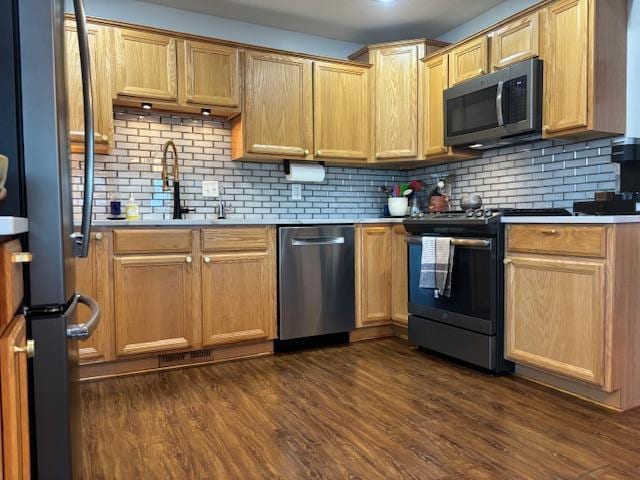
<point>99,236</point>
<point>207,259</point>
<point>188,259</point>
<point>506,261</point>
<point>306,152</point>
<point>29,349</point>
<point>21,257</point>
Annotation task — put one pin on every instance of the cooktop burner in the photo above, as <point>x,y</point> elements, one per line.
<point>486,215</point>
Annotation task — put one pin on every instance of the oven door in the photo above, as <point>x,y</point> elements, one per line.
<point>472,303</point>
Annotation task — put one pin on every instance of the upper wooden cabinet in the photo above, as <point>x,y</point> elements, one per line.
<point>14,385</point>
<point>145,65</point>
<point>395,100</point>
<point>92,278</point>
<point>341,111</point>
<point>515,41</point>
<point>210,74</point>
<point>100,83</point>
<point>468,60</point>
<point>277,118</point>
<point>584,52</point>
<point>229,265</point>
<point>436,79</point>
<point>154,303</point>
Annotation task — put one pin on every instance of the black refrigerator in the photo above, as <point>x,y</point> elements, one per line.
<point>33,134</point>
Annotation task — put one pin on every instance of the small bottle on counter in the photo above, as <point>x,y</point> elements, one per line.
<point>132,210</point>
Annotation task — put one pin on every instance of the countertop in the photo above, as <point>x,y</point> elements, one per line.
<point>13,225</point>
<point>234,221</point>
<point>576,219</point>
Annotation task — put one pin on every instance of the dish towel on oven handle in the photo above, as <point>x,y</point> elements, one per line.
<point>436,265</point>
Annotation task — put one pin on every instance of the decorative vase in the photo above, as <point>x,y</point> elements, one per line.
<point>398,206</point>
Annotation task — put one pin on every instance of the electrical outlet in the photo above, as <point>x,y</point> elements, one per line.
<point>296,191</point>
<point>210,189</point>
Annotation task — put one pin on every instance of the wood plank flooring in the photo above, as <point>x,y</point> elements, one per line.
<point>372,410</point>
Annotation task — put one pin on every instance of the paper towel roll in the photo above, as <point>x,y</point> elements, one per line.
<point>306,172</point>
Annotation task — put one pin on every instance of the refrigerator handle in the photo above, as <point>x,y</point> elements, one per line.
<point>82,331</point>
<point>81,247</point>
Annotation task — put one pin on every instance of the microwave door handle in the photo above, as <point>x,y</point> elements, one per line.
<point>81,247</point>
<point>499,103</point>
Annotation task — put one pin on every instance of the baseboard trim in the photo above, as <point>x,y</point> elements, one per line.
<point>371,333</point>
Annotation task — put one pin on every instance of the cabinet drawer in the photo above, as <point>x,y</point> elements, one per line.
<point>152,241</point>
<point>235,239</point>
<point>582,241</point>
<point>10,281</point>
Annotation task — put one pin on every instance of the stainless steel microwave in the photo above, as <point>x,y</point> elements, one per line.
<point>503,107</point>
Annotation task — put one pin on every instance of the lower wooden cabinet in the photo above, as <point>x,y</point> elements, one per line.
<point>15,401</point>
<point>381,275</point>
<point>239,295</point>
<point>154,303</point>
<point>556,317</point>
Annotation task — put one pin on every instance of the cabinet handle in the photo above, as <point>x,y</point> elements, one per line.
<point>21,257</point>
<point>550,231</point>
<point>188,259</point>
<point>207,259</point>
<point>99,236</point>
<point>506,261</point>
<point>29,349</point>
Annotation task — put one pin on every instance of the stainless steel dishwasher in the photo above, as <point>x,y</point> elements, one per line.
<point>316,281</point>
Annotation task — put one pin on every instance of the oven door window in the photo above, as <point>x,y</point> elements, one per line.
<point>473,112</point>
<point>470,303</point>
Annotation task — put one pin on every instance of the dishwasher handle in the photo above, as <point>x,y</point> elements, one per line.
<point>300,242</point>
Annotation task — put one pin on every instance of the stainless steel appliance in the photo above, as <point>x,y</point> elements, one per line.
<point>34,137</point>
<point>316,291</point>
<point>500,108</point>
<point>469,324</point>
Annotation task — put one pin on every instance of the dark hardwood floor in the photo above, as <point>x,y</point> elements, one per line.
<point>373,410</point>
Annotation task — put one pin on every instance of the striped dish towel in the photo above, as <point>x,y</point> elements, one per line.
<point>428,263</point>
<point>445,251</point>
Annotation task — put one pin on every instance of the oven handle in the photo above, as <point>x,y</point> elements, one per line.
<point>459,242</point>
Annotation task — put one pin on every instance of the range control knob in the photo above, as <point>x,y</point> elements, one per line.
<point>488,213</point>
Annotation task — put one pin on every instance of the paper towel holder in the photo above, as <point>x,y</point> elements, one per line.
<point>287,166</point>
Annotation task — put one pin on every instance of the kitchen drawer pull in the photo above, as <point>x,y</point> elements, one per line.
<point>99,236</point>
<point>21,257</point>
<point>188,259</point>
<point>207,259</point>
<point>29,349</point>
<point>550,231</point>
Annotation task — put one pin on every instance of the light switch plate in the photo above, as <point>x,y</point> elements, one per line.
<point>296,191</point>
<point>210,189</point>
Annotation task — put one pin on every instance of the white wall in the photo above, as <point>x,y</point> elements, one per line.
<point>183,21</point>
<point>510,7</point>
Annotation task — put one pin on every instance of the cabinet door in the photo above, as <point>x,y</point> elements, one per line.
<point>100,82</point>
<point>212,74</point>
<point>396,102</point>
<point>436,80</point>
<point>145,65</point>
<point>373,275</point>
<point>278,115</point>
<point>93,278</point>
<point>154,303</point>
<point>341,111</point>
<point>238,297</point>
<point>516,41</point>
<point>566,50</point>
<point>15,401</point>
<point>469,60</point>
<point>399,280</point>
<point>555,316</point>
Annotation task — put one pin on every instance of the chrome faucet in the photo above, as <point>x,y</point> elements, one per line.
<point>178,210</point>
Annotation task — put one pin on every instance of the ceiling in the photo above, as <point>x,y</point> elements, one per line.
<point>358,21</point>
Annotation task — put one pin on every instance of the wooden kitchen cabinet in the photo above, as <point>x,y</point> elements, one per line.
<point>556,317</point>
<point>209,74</point>
<point>373,275</point>
<point>515,41</point>
<point>101,87</point>
<point>399,276</point>
<point>93,278</point>
<point>232,313</point>
<point>396,95</point>
<point>584,52</point>
<point>14,387</point>
<point>277,117</point>
<point>145,66</point>
<point>154,303</point>
<point>468,60</point>
<point>341,111</point>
